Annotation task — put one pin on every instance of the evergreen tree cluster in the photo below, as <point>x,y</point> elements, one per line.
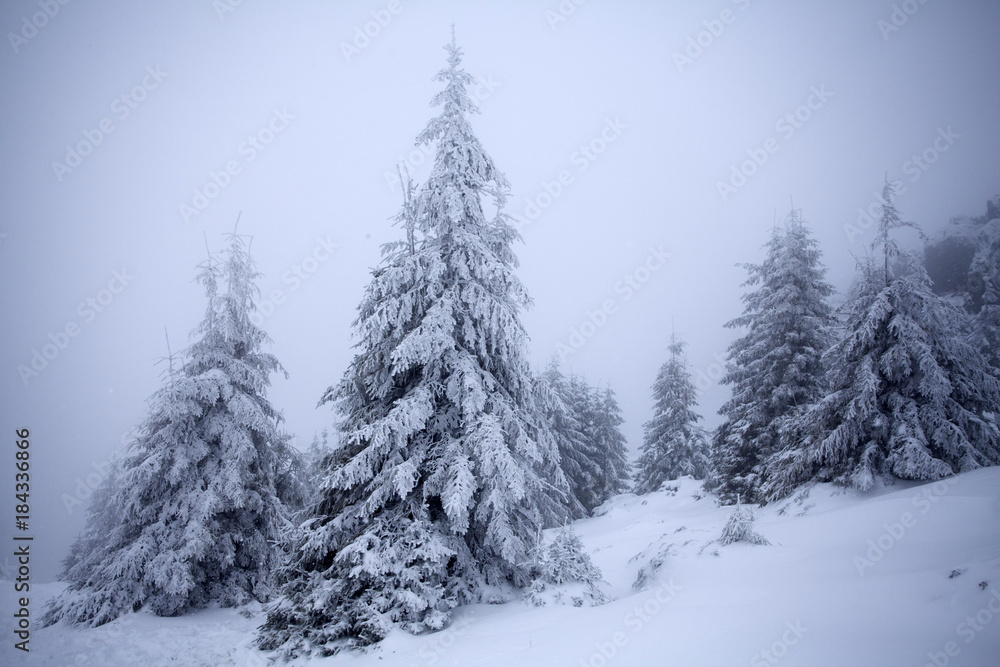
<point>907,387</point>
<point>585,422</point>
<point>451,455</point>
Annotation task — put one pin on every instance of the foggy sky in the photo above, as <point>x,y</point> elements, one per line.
<point>617,120</point>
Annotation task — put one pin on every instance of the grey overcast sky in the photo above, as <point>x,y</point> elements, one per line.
<point>628,130</point>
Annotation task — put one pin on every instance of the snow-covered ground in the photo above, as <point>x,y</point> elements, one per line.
<point>904,575</point>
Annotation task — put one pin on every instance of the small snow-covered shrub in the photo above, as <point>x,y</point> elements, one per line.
<point>739,528</point>
<point>565,574</point>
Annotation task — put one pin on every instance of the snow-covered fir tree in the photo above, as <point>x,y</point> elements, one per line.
<point>566,425</point>
<point>604,423</point>
<point>910,396</point>
<point>585,422</point>
<point>190,515</point>
<point>673,443</point>
<point>434,496</point>
<point>739,528</point>
<point>775,369</point>
<point>565,574</point>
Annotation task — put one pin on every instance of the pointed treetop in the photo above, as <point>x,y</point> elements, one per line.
<point>677,345</point>
<point>794,217</point>
<point>888,221</point>
<point>454,54</point>
<point>454,98</point>
<point>170,355</point>
<point>462,171</point>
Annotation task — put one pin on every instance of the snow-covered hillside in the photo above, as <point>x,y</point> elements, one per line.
<point>904,575</point>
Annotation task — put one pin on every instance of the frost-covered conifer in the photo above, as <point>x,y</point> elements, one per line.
<point>775,369</point>
<point>585,422</point>
<point>190,515</point>
<point>673,443</point>
<point>739,528</point>
<point>605,424</point>
<point>433,497</point>
<point>566,425</point>
<point>911,397</point>
<point>565,573</point>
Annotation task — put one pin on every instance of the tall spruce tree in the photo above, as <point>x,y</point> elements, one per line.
<point>673,443</point>
<point>190,516</point>
<point>911,397</point>
<point>776,368</point>
<point>433,497</point>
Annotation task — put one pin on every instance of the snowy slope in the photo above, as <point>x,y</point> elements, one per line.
<point>892,577</point>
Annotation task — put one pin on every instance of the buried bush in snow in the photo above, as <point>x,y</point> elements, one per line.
<point>565,573</point>
<point>648,572</point>
<point>739,528</point>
